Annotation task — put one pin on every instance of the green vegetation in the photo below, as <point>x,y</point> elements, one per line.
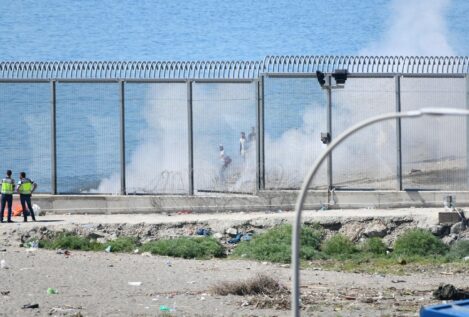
<point>374,246</point>
<point>180,247</point>
<point>71,241</point>
<point>419,242</point>
<point>274,245</point>
<point>188,248</point>
<point>123,244</point>
<point>339,246</point>
<point>459,250</point>
<point>412,250</point>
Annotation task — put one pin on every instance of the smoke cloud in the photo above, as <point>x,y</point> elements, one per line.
<point>415,28</point>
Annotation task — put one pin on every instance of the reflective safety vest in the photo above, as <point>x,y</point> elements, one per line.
<point>8,186</point>
<point>25,186</point>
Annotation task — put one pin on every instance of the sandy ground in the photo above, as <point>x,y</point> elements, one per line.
<point>96,284</point>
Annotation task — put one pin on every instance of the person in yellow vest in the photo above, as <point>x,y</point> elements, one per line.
<point>25,188</point>
<point>8,187</point>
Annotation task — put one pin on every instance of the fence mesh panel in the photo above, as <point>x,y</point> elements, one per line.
<point>156,135</point>
<point>434,149</point>
<point>25,110</point>
<point>88,138</point>
<point>295,114</point>
<point>367,159</point>
<point>220,113</point>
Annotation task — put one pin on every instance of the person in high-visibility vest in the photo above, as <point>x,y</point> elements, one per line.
<point>8,187</point>
<point>25,188</point>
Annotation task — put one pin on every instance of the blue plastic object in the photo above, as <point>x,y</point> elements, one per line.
<point>453,309</point>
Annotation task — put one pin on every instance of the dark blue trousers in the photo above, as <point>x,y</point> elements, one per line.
<point>26,200</point>
<point>6,198</point>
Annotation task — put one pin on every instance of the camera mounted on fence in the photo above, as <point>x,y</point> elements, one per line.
<point>339,75</point>
<point>325,137</point>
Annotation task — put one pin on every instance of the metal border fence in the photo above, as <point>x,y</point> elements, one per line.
<point>255,72</point>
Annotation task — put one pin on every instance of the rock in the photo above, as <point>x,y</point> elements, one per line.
<point>232,231</point>
<point>457,228</point>
<point>449,292</point>
<point>352,230</point>
<point>218,235</point>
<point>375,230</point>
<point>437,230</point>
<point>448,240</point>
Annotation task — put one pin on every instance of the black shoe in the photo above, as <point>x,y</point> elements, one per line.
<point>25,220</point>
<point>10,221</point>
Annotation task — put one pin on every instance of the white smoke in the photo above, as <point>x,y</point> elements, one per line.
<point>368,159</point>
<point>416,28</point>
<point>159,162</point>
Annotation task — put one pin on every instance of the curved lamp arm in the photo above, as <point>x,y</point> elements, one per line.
<point>295,257</point>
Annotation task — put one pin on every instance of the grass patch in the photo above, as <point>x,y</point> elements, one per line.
<point>419,242</point>
<point>339,246</point>
<point>123,244</point>
<point>261,284</point>
<point>374,246</point>
<point>274,245</point>
<point>188,248</point>
<point>459,250</point>
<point>71,241</point>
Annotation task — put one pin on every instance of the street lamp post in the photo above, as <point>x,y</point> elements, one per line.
<point>295,257</point>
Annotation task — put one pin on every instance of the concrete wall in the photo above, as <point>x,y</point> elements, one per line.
<point>263,201</point>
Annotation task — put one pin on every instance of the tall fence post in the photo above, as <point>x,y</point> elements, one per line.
<point>329,130</point>
<point>122,136</point>
<point>260,154</point>
<point>53,138</point>
<point>467,128</point>
<point>397,87</point>
<point>190,141</point>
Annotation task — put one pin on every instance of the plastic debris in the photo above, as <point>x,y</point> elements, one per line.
<point>247,237</point>
<point>52,291</point>
<point>134,283</point>
<point>30,306</point>
<point>3,264</point>
<point>108,249</point>
<point>203,232</point>
<point>236,239</point>
<point>184,212</point>
<point>168,263</point>
<point>5,293</point>
<point>164,308</point>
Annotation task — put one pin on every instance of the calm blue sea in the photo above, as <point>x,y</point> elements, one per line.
<point>88,117</point>
<point>205,29</point>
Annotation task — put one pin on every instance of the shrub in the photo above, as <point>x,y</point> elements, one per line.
<point>123,244</point>
<point>460,249</point>
<point>188,248</point>
<point>419,242</point>
<point>71,241</point>
<point>274,245</point>
<point>374,246</point>
<point>261,284</point>
<point>338,245</point>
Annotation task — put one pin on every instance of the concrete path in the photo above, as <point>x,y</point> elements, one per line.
<point>428,216</point>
